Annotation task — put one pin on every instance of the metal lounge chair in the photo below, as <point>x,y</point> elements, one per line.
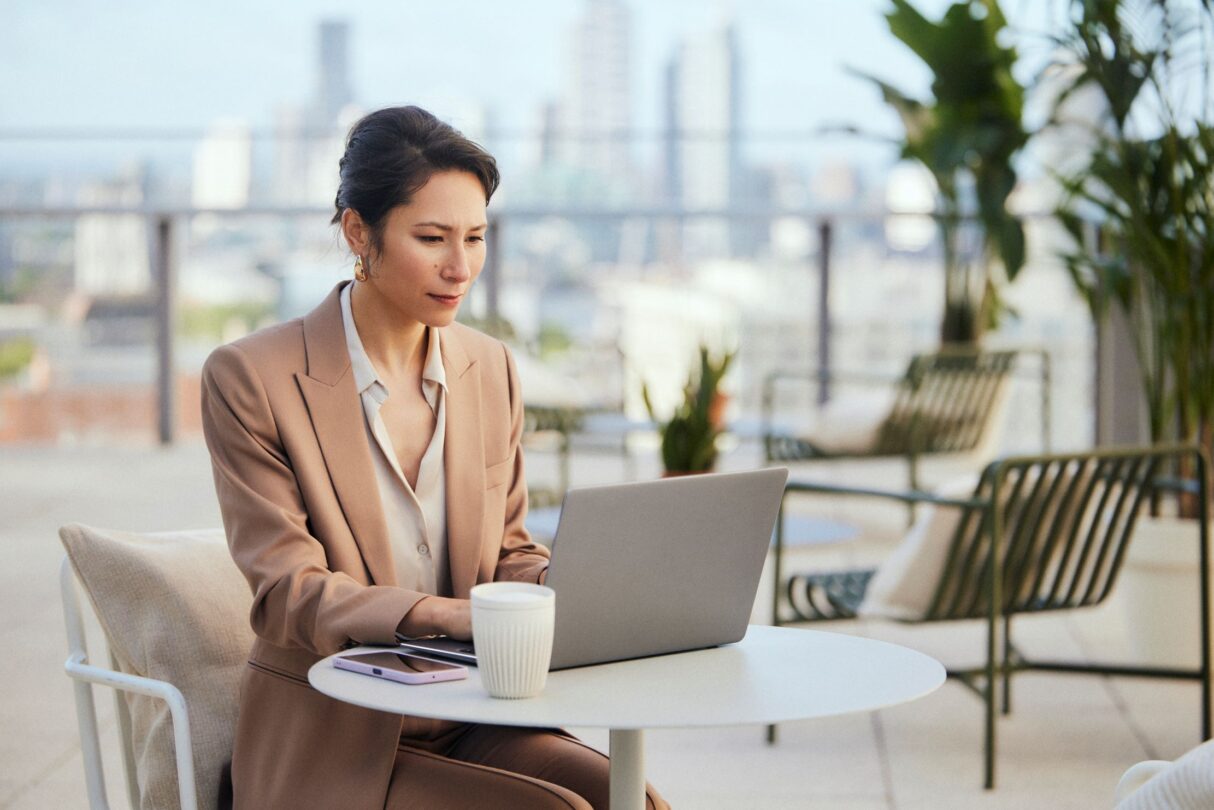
<point>1059,526</point>
<point>947,402</point>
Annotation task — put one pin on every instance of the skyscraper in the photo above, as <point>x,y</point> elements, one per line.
<point>596,105</point>
<point>112,251</point>
<point>309,140</point>
<point>703,139</point>
<point>223,166</point>
<point>333,73</point>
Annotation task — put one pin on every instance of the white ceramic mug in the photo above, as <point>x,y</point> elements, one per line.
<point>512,630</point>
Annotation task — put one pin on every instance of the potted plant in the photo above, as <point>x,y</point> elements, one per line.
<point>1149,187</point>
<point>689,435</point>
<point>967,137</point>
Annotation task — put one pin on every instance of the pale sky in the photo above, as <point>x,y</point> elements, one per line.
<point>81,64</point>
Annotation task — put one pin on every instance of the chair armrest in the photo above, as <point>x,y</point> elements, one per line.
<point>83,673</point>
<point>909,496</point>
<point>78,669</point>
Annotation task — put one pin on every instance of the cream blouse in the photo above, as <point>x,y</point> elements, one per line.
<point>416,519</point>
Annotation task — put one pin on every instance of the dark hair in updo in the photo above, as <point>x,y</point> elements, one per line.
<point>391,153</point>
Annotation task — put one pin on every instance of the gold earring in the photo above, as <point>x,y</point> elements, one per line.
<point>360,269</point>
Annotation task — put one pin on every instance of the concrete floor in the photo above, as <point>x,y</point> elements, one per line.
<point>1065,746</point>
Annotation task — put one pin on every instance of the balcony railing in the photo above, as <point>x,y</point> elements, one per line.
<point>165,226</point>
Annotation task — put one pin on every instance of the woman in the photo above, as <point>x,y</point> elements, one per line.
<point>367,463</point>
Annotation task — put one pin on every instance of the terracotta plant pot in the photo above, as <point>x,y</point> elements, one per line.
<point>716,410</point>
<point>681,473</point>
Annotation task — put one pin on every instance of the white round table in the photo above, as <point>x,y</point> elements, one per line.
<point>773,675</point>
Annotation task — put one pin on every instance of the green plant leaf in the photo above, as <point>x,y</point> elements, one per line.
<point>967,134</point>
<point>688,436</point>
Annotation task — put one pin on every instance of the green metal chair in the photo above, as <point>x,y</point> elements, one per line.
<point>947,402</point>
<point>1059,526</point>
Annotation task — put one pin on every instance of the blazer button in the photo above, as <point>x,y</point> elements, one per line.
<point>423,549</point>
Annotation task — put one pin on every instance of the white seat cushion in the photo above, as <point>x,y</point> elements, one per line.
<point>175,608</point>
<point>906,581</point>
<point>847,424</point>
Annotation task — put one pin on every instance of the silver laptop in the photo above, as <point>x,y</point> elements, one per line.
<point>653,567</point>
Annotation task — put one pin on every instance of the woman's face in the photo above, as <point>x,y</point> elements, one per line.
<point>432,249</point>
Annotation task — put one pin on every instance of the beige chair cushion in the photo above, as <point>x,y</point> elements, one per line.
<point>175,608</point>
<point>847,424</point>
<point>906,580</point>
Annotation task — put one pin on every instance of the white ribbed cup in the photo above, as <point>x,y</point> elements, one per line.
<point>512,631</point>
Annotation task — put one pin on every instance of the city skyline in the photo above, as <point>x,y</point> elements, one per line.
<point>650,288</point>
<point>57,80</point>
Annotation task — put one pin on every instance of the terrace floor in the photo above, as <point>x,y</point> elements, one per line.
<point>1065,746</point>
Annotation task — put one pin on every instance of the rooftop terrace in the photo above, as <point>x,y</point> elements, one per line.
<point>1065,746</point>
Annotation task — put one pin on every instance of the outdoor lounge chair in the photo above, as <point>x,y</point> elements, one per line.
<point>1060,524</point>
<point>947,402</point>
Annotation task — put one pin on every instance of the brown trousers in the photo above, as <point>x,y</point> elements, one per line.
<point>481,766</point>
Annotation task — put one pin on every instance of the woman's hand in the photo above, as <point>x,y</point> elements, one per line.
<point>438,615</point>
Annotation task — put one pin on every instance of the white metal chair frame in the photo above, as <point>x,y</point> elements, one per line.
<point>84,675</point>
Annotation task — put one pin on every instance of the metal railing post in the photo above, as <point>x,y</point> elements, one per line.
<point>493,270</point>
<point>165,327</point>
<point>1203,560</point>
<point>825,233</point>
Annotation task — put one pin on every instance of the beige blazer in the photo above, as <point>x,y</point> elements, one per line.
<point>296,486</point>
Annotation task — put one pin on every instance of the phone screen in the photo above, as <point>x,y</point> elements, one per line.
<point>404,663</point>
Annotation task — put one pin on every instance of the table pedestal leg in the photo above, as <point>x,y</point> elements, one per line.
<point>627,749</point>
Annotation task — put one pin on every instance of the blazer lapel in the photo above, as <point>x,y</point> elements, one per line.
<point>338,421</point>
<point>464,459</point>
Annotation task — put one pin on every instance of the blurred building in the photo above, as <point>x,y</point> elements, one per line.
<point>309,140</point>
<point>289,184</point>
<point>112,250</point>
<point>703,142</point>
<point>596,104</point>
<point>837,184</point>
<point>223,166</point>
<point>333,89</point>
<point>910,197</point>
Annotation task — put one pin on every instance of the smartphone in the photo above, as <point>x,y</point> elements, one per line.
<point>400,667</point>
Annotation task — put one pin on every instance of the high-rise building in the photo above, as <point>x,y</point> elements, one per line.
<point>596,105</point>
<point>333,91</point>
<point>223,166</point>
<point>545,148</point>
<point>290,179</point>
<point>836,184</point>
<point>309,140</point>
<point>704,144</point>
<point>910,196</point>
<point>112,250</point>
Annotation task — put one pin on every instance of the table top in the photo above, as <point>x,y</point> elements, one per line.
<point>773,675</point>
